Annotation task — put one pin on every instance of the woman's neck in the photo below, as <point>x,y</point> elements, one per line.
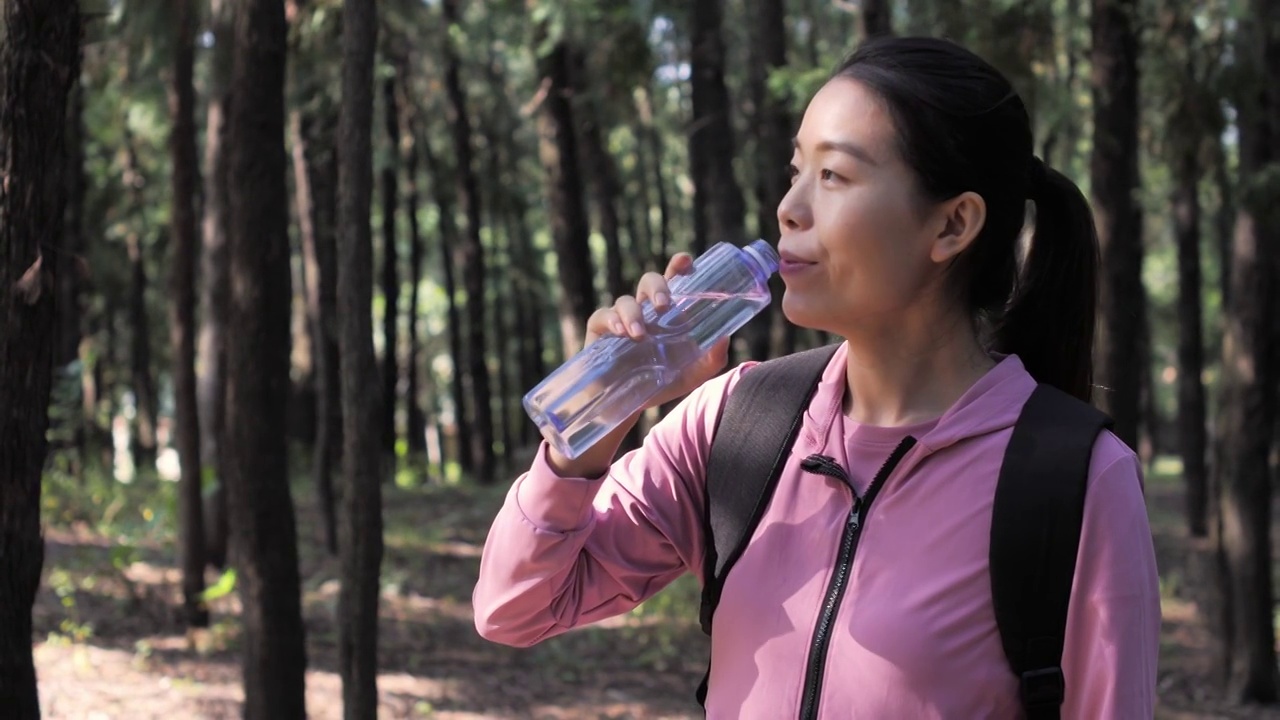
<point>911,372</point>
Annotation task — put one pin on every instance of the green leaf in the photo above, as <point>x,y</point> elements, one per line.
<point>225,585</point>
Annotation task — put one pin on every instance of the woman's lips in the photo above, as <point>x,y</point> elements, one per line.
<point>790,264</point>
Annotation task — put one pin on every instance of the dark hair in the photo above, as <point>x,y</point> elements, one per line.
<point>962,127</point>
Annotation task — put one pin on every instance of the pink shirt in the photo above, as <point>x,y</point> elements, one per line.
<point>914,635</point>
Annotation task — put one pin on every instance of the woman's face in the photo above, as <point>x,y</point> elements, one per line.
<point>858,242</point>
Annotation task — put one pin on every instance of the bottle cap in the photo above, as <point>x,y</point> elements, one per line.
<point>764,255</point>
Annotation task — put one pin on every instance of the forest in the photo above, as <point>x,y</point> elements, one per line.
<point>275,275</point>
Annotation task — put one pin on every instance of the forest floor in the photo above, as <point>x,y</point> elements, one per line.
<point>110,643</point>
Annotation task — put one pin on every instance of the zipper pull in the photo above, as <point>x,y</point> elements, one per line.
<point>855,515</point>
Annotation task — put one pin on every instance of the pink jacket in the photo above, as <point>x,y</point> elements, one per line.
<point>914,635</point>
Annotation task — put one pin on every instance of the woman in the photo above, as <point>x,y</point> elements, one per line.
<point>900,233</point>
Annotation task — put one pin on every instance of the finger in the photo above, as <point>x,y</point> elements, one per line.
<point>654,287</point>
<point>680,264</point>
<point>632,317</point>
<point>714,361</point>
<point>605,321</point>
<point>719,354</point>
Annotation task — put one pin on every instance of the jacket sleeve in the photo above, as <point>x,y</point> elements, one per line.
<point>1113,625</point>
<point>565,552</point>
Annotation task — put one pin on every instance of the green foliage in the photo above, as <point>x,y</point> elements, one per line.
<point>224,586</point>
<point>136,512</point>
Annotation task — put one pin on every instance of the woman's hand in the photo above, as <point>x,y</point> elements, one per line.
<point>625,318</point>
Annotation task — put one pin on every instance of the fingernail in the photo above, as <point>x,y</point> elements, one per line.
<point>616,327</point>
<point>661,300</point>
<point>637,329</point>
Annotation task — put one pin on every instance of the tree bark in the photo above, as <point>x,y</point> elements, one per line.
<point>1185,138</point>
<point>361,526</point>
<point>1191,396</point>
<point>1114,173</point>
<point>719,209</point>
<point>448,241</point>
<point>313,130</point>
<point>263,529</point>
<point>471,254</point>
<point>604,179</point>
<point>1249,378</point>
<point>215,285</point>
<point>315,176</point>
<point>773,153</point>
<point>503,286</point>
<point>390,263</point>
<point>38,61</point>
<point>558,152</point>
<point>143,437</point>
<point>184,230</point>
<point>649,136</point>
<point>415,418</point>
<point>876,18</point>
<point>641,220</point>
<point>72,266</point>
<point>530,303</point>
<point>72,274</point>
<point>1224,218</point>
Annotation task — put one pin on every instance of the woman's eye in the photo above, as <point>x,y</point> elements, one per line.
<point>828,176</point>
<point>792,172</point>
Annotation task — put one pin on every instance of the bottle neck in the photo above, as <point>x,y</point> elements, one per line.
<point>761,258</point>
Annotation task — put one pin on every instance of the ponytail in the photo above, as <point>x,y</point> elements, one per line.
<point>1049,322</point>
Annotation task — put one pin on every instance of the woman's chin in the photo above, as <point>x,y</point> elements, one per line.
<point>801,312</point>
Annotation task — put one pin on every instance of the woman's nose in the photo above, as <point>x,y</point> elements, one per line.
<point>794,212</point>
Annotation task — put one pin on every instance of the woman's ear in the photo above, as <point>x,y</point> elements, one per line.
<point>960,219</point>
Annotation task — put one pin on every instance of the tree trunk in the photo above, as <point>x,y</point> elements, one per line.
<point>72,274</point>
<point>774,128</point>
<point>876,18</point>
<point>362,470</point>
<point>390,276</point>
<point>415,419</point>
<point>184,230</point>
<point>71,271</point>
<point>1114,172</point>
<point>558,152</point>
<point>529,301</point>
<point>448,241</point>
<point>38,60</point>
<point>503,286</point>
<point>1191,397</point>
<point>263,529</point>
<point>473,270</point>
<point>648,135</point>
<point>1249,379</point>
<point>215,285</point>
<point>1224,217</point>
<point>1185,138</point>
<point>313,131</point>
<point>718,206</point>
<point>143,436</point>
<point>641,224</point>
<point>106,373</point>
<point>315,176</point>
<point>604,179</point>
<point>507,328</point>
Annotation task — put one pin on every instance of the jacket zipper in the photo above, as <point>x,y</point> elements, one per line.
<point>821,641</point>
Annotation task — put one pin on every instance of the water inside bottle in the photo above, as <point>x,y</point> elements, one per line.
<point>615,376</point>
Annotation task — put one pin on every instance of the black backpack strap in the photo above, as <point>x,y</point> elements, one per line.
<point>752,441</point>
<point>1035,536</point>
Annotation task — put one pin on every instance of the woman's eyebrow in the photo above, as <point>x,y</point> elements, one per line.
<point>852,149</point>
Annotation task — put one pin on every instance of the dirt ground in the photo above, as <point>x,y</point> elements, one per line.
<point>110,644</point>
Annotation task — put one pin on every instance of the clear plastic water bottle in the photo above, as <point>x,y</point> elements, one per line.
<point>614,377</point>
